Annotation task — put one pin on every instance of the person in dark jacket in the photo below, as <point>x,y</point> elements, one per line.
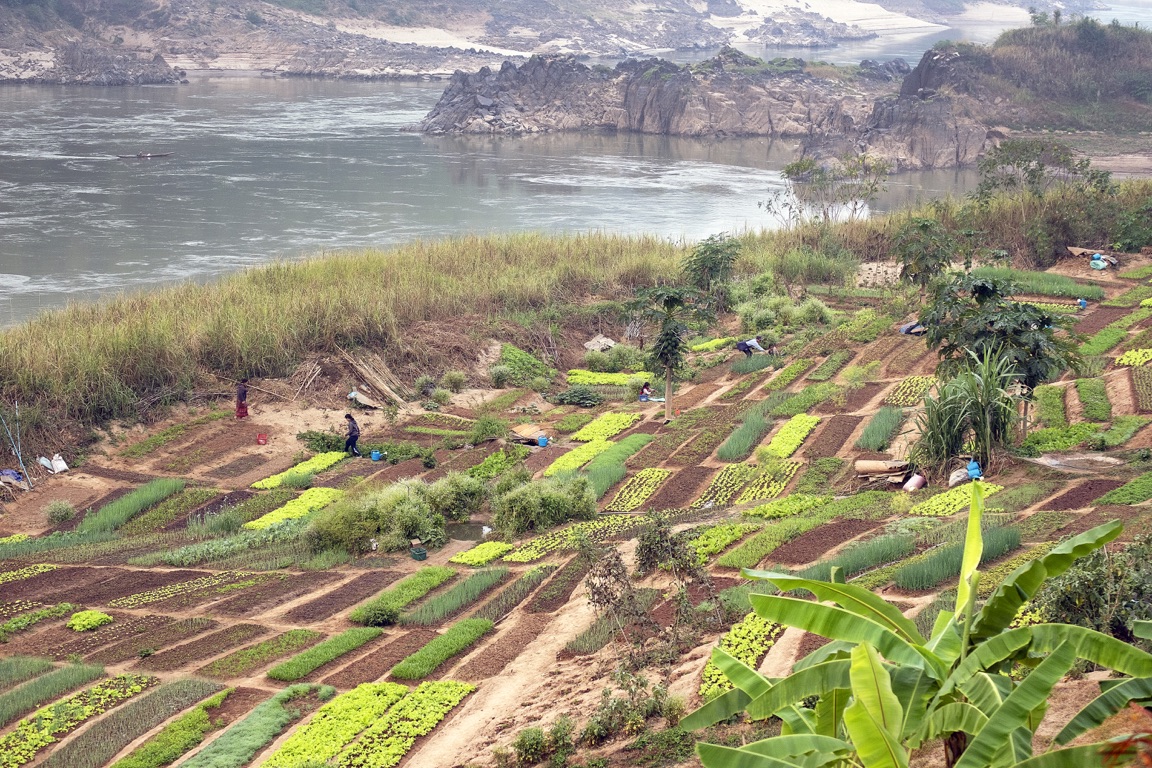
<point>353,435</point>
<point>242,399</point>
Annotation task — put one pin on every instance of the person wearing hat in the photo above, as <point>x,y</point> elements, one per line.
<point>353,436</point>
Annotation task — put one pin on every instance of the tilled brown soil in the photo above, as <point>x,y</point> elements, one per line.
<point>556,591</point>
<point>832,437</point>
<point>1082,495</point>
<point>238,704</point>
<point>231,437</point>
<point>377,662</point>
<point>497,655</point>
<point>906,357</point>
<point>168,634</point>
<point>401,471</point>
<point>860,397</point>
<point>120,475</point>
<point>681,489</point>
<point>47,583</point>
<point>187,600</point>
<point>540,458</point>
<point>809,643</point>
<point>267,596</point>
<point>236,467</point>
<point>345,596</point>
<point>811,545</point>
<point>1097,319</point>
<point>356,471</point>
<point>125,583</point>
<point>695,396</point>
<point>205,647</point>
<point>213,507</point>
<point>81,644</point>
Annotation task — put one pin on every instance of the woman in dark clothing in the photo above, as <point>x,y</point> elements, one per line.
<point>242,399</point>
<point>353,436</point>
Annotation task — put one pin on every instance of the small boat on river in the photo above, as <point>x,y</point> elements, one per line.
<point>145,155</point>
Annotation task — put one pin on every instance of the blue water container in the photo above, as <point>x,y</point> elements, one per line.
<point>375,455</point>
<point>542,441</point>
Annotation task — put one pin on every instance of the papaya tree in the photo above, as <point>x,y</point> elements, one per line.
<point>672,309</point>
<point>882,689</point>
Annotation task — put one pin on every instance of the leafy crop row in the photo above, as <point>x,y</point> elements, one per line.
<point>714,344</point>
<point>791,435</point>
<point>496,464</point>
<point>1122,430</point>
<point>769,482</point>
<point>115,514</point>
<point>336,725</point>
<point>597,378</point>
<point>1135,357</point>
<point>245,661</point>
<point>718,538</point>
<point>181,588</point>
<point>578,457</point>
<point>459,637</point>
<point>501,605</point>
<point>1094,397</point>
<point>26,573</point>
<point>1113,333</point>
<point>606,425</point>
<point>1135,295</point>
<point>97,745</point>
<point>168,511</point>
<point>1042,283</point>
<point>638,489</point>
<point>385,607</point>
<point>46,687</point>
<point>46,725</point>
<point>599,529</point>
<point>789,374</point>
<point>176,738</point>
<point>724,486</point>
<point>239,744</point>
<point>452,601</point>
<point>483,553</point>
<point>910,391</point>
<point>317,463</point>
<point>608,468</point>
<point>312,659</point>
<point>1057,438</point>
<point>748,641</point>
<point>388,739</point>
<point>830,367</point>
<point>944,562</point>
<point>788,506</point>
<point>23,621</point>
<point>1133,492</point>
<point>1050,405</point>
<point>952,501</point>
<point>310,501</point>
<point>1047,306</point>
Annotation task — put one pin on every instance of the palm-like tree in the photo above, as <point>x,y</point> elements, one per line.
<point>672,309</point>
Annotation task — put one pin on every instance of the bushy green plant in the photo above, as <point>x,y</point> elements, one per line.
<point>1050,405</point>
<point>384,608</point>
<point>1094,397</point>
<point>580,395</point>
<point>84,621</point>
<point>523,366</point>
<point>487,426</point>
<point>543,504</point>
<point>456,496</point>
<point>424,384</point>
<point>115,514</point>
<point>496,464</point>
<point>454,381</point>
<point>459,637</point>
<point>59,511</point>
<point>880,429</point>
<point>441,396</point>
<point>393,515</point>
<point>317,656</point>
<point>501,376</point>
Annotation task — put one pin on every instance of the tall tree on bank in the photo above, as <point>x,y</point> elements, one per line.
<point>672,309</point>
<point>710,266</point>
<point>924,249</point>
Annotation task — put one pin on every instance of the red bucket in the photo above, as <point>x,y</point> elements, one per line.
<point>261,439</point>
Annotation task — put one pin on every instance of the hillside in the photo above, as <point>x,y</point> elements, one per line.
<point>209,573</point>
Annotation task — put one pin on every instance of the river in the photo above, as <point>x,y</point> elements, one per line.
<point>264,169</point>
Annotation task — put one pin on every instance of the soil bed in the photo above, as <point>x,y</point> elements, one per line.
<point>219,443</point>
<point>201,649</point>
<point>45,583</point>
<point>810,546</point>
<point>401,471</point>
<point>236,467</point>
<point>238,704</point>
<point>833,436</point>
<point>328,605</point>
<point>809,643</point>
<point>108,498</point>
<point>264,597</point>
<point>859,398</point>
<point>541,458</point>
<point>125,583</point>
<point>1099,318</point>
<point>140,646</point>
<point>462,460</point>
<point>497,655</point>
<point>906,357</point>
<point>681,489</point>
<point>215,506</point>
<point>558,590</point>
<point>188,600</point>
<point>1082,495</point>
<point>376,663</point>
<point>120,475</point>
<point>64,642</point>
<point>694,396</point>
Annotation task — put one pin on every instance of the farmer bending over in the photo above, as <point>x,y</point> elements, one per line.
<point>747,346</point>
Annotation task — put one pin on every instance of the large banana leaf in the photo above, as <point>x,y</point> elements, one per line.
<point>1142,629</point>
<point>1023,583</point>
<point>1016,711</point>
<point>740,674</point>
<point>813,681</point>
<point>828,652</point>
<point>794,746</point>
<point>875,716</point>
<point>830,711</point>
<point>839,624</point>
<point>1078,757</point>
<point>973,547</point>
<point>953,717</point>
<point>985,655</point>
<point>987,692</point>
<point>719,709</point>
<point>849,597</point>
<point>716,756</point>
<point>915,688</point>
<point>1105,705</point>
<point>1102,650</point>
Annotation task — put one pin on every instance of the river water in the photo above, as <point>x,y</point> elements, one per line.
<point>264,169</point>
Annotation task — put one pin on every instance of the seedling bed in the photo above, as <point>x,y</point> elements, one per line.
<point>643,427</point>
<point>397,472</point>
<point>810,546</point>
<point>701,447</point>
<point>123,584</point>
<point>237,467</point>
<point>558,590</point>
<point>143,645</point>
<point>119,475</point>
<point>218,443</point>
<point>493,658</point>
<point>907,358</point>
<point>10,608</point>
<point>236,705</point>
<point>225,591</point>
<point>461,460</point>
<point>1140,383</point>
<point>832,437</point>
<point>1082,495</point>
<point>256,600</point>
<point>124,625</point>
<point>696,395</point>
<point>204,648</point>
<point>344,596</point>
<point>542,458</point>
<point>375,663</point>
<point>681,489</point>
<point>216,506</point>
<point>36,587</point>
<point>859,398</point>
<point>1100,318</point>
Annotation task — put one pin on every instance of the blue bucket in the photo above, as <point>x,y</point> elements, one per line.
<point>542,441</point>
<point>375,455</point>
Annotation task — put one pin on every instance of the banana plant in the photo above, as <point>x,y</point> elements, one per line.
<point>883,690</point>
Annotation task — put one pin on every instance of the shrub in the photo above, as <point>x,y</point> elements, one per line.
<point>456,496</point>
<point>1094,397</point>
<point>317,656</point>
<point>530,746</point>
<point>441,396</point>
<point>459,637</point>
<point>424,384</point>
<point>454,381</point>
<point>501,376</point>
<point>595,360</point>
<point>543,504</point>
<point>580,395</point>
<point>393,515</point>
<point>881,428</point>
<point>487,426</point>
<point>111,516</point>
<point>59,511</point>
<point>83,621</point>
<point>385,608</point>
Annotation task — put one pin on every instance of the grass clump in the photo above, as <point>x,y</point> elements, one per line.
<point>1122,430</point>
<point>501,605</point>
<point>1042,283</point>
<point>385,608</point>
<point>608,468</point>
<point>46,687</point>
<point>881,428</point>
<point>100,743</point>
<point>245,661</point>
<point>111,516</point>
<point>1094,397</point>
<point>944,562</point>
<point>747,436</point>
<point>17,669</point>
<point>176,738</point>
<point>312,659</point>
<point>461,636</point>
<point>1050,405</point>
<point>240,743</point>
<point>452,601</point>
<point>168,511</point>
